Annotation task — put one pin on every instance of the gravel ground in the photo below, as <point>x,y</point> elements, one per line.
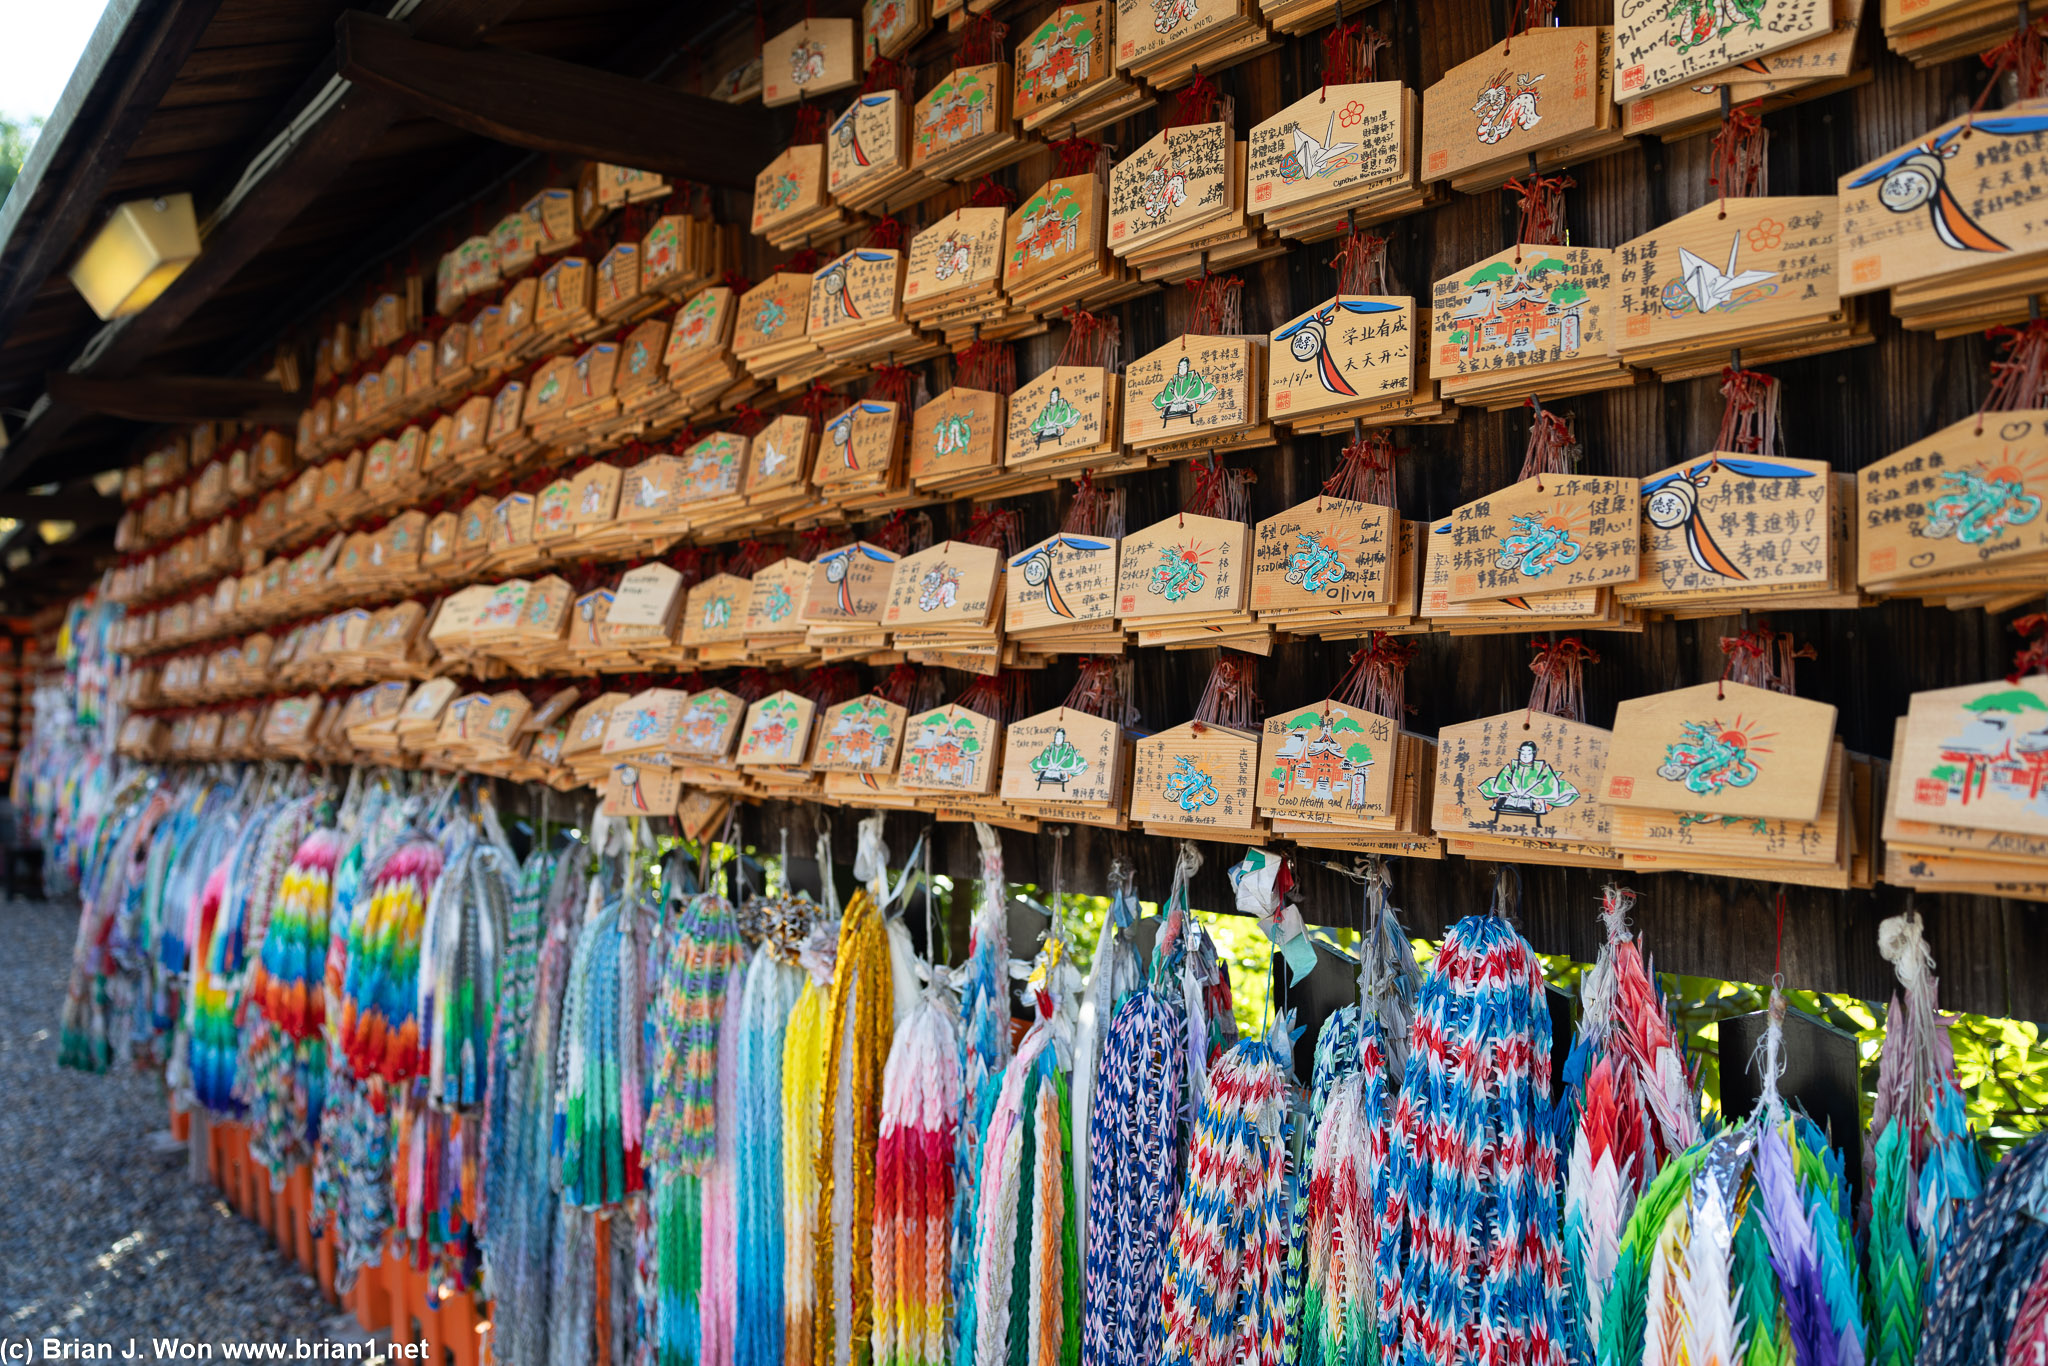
<point>102,1235</point>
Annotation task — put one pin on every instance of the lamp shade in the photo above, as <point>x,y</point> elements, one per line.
<point>136,254</point>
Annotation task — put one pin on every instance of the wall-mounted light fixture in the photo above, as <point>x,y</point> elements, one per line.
<point>141,248</point>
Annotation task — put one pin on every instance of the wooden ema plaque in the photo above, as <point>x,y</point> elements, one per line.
<point>1187,565</point>
<point>714,467</point>
<point>1065,409</point>
<point>643,723</point>
<point>789,189</point>
<point>1521,309</point>
<point>640,359</point>
<point>1522,774</point>
<point>781,457</point>
<point>1549,534</point>
<point>809,59</point>
<point>859,736</point>
<point>1536,93</point>
<point>1189,386</point>
<point>950,749</point>
<point>968,104</point>
<point>1345,351</point>
<point>1064,579</point>
<point>1327,761</point>
<point>861,288</point>
<point>1341,138</point>
<point>777,730</point>
<point>859,444</point>
<point>850,584</point>
<point>1064,756</point>
<point>777,598</point>
<point>889,27</point>
<point>715,613</point>
<point>867,142</point>
<point>1763,848</point>
<point>959,432</point>
<point>1175,181</point>
<point>1757,267</point>
<point>1730,519</point>
<point>1906,218</point>
<point>1145,27</point>
<point>708,725</point>
<point>1059,228</point>
<point>1325,555</point>
<point>706,323</point>
<point>1658,43</point>
<point>1961,500</point>
<point>1722,749</point>
<point>948,584</point>
<point>1067,54</point>
<point>631,790</point>
<point>1197,775</point>
<point>962,252</point>
<point>1977,756</point>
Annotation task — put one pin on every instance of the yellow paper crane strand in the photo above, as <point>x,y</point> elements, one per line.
<point>863,998</point>
<point>803,1084</point>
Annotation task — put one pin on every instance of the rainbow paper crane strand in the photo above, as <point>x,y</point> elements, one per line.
<point>681,1142</point>
<point>984,1049</point>
<point>1224,1300</point>
<point>1478,1158</point>
<point>285,984</point>
<point>458,978</point>
<point>1137,1101</point>
<point>379,1025</point>
<point>912,1283</point>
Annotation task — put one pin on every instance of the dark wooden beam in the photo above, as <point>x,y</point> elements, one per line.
<point>295,173</point>
<point>87,509</point>
<point>555,106</point>
<point>56,216</point>
<point>178,398</point>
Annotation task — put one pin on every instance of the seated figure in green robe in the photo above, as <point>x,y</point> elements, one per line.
<point>1053,419</point>
<point>1527,787</point>
<point>1184,393</point>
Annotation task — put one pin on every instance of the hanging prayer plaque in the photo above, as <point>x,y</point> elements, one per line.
<point>950,749</point>
<point>1197,775</point>
<point>1066,55</point>
<point>1325,554</point>
<point>1341,138</point>
<point>1542,93</point>
<point>1175,181</point>
<point>1065,579</point>
<point>1063,755</point>
<point>958,432</point>
<point>859,736</point>
<point>1525,774</point>
<point>1552,533</point>
<point>1345,351</point>
<point>1947,202</point>
<point>1066,408</point>
<point>777,730</point>
<point>850,584</point>
<point>808,60</point>
<point>1977,756</point>
<point>1968,498</point>
<point>1753,270</point>
<point>1731,519</point>
<point>1192,384</point>
<point>1662,43</point>
<point>1326,760</point>
<point>1186,565</point>
<point>950,583</point>
<point>867,142</point>
<point>1720,749</point>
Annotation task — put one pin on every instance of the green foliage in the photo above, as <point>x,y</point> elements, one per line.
<point>1499,270</point>
<point>1358,754</point>
<point>1565,295</point>
<point>16,136</point>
